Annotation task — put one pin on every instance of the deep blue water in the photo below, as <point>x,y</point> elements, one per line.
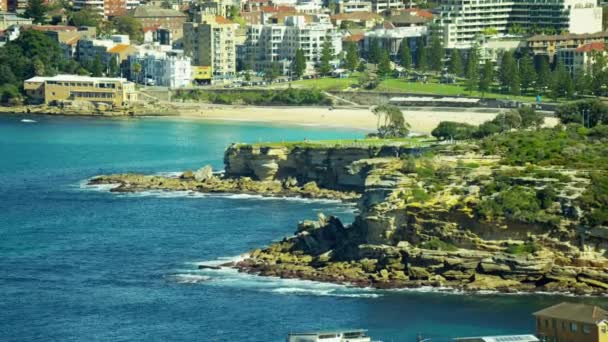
<point>82,264</point>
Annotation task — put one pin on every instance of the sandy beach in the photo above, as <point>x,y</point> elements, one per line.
<point>422,120</point>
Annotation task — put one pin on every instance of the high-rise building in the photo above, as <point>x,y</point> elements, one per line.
<point>463,20</point>
<point>210,41</point>
<point>271,44</point>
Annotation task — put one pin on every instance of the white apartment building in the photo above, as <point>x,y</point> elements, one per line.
<point>210,41</point>
<point>463,20</point>
<point>346,6</point>
<point>380,6</point>
<point>161,66</point>
<point>107,8</point>
<point>391,39</point>
<point>93,5</point>
<point>273,44</point>
<point>88,49</point>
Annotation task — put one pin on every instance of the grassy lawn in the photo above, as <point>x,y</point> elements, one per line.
<point>405,86</point>
<point>364,142</point>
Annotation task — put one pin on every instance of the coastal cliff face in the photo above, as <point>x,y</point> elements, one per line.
<point>331,167</point>
<point>455,219</point>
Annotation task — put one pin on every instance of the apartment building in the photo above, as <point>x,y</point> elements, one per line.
<point>118,47</point>
<point>346,6</point>
<point>578,60</point>
<point>391,39</point>
<point>49,90</point>
<point>549,44</point>
<point>161,66</point>
<point>107,8</point>
<point>210,41</point>
<point>380,6</point>
<point>463,20</point>
<point>156,16</point>
<point>273,44</point>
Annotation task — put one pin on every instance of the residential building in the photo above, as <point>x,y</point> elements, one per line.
<point>210,41</point>
<point>346,6</point>
<point>97,6</point>
<point>493,48</point>
<point>157,16</point>
<point>16,5</point>
<point>3,5</point>
<point>107,8</point>
<point>202,74</point>
<point>114,8</point>
<point>156,34</point>
<point>462,20</point>
<point>578,60</point>
<point>9,19</point>
<point>380,6</point>
<point>49,90</point>
<point>572,322</point>
<point>390,39</point>
<point>273,44</point>
<point>161,66</point>
<point>366,20</point>
<point>118,48</point>
<point>66,36</point>
<point>549,44</point>
<point>409,17</point>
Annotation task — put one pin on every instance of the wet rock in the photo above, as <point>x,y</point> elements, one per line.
<point>188,174</point>
<point>204,173</point>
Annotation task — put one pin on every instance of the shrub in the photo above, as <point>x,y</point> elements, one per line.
<point>453,130</point>
<point>438,245</point>
<point>526,248</point>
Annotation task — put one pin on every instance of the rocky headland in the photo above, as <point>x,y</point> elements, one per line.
<point>443,216</point>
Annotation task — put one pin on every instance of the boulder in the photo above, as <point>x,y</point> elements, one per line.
<point>188,174</point>
<point>418,273</point>
<point>490,282</point>
<point>204,173</point>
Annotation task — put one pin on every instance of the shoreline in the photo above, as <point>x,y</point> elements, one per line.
<point>421,119</point>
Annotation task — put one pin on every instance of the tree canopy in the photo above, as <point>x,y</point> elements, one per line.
<point>391,123</point>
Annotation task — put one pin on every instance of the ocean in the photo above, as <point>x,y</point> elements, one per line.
<point>79,263</point>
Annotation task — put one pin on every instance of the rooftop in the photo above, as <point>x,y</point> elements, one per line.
<point>357,37</point>
<point>557,37</point>
<point>151,11</point>
<point>74,78</point>
<point>575,312</point>
<point>119,48</point>
<point>595,46</point>
<point>222,20</point>
<point>356,16</point>
<point>274,9</point>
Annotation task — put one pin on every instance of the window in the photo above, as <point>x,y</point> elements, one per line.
<point>573,327</point>
<point>586,329</point>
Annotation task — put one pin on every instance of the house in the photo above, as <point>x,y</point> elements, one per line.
<point>579,60</point>
<point>572,322</point>
<point>364,19</point>
<point>59,88</point>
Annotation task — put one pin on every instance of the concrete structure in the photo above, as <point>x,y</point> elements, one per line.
<point>161,66</point>
<point>549,44</point>
<point>580,59</point>
<point>210,41</point>
<point>167,18</point>
<point>462,20</point>
<point>269,45</point>
<point>572,322</point>
<point>49,90</point>
<point>501,338</point>
<point>390,39</point>
<point>9,19</point>
<point>346,6</point>
<point>380,6</point>
<point>493,48</point>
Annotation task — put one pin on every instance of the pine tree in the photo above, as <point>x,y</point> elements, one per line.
<point>96,67</point>
<point>455,66</point>
<point>563,85</point>
<point>515,86</point>
<point>299,63</point>
<point>36,9</point>
<point>384,65</point>
<point>405,54</point>
<point>527,74</point>
<point>421,59</point>
<point>487,77</point>
<point>374,51</point>
<point>507,71</point>
<point>326,57</point>
<point>472,72</point>
<point>543,74</point>
<point>436,54</point>
<point>352,57</point>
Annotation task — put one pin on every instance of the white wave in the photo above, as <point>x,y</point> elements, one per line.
<point>169,174</point>
<point>28,121</point>
<point>189,278</point>
<point>84,185</point>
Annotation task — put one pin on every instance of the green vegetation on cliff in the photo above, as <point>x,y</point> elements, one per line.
<point>290,97</point>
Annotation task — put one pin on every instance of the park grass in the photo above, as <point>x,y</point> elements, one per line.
<point>327,84</point>
<point>418,141</point>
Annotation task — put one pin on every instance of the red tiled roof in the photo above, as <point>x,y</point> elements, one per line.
<point>354,38</point>
<point>151,28</point>
<point>594,46</point>
<point>356,16</point>
<point>120,48</point>
<point>221,20</point>
<point>273,9</point>
<point>419,12</point>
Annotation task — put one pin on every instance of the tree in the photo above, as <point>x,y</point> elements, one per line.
<point>299,63</point>
<point>36,9</point>
<point>527,74</point>
<point>487,77</point>
<point>455,66</point>
<point>113,67</point>
<point>405,54</point>
<point>33,51</point>
<point>38,67</point>
<point>368,80</point>
<point>352,57</point>
<point>421,58</point>
<point>96,67</point>
<point>10,95</point>
<point>472,72</point>
<point>136,69</point>
<point>129,25</point>
<point>453,130</point>
<point>326,57</point>
<point>590,113</point>
<point>561,85</point>
<point>391,123</point>
<point>384,64</point>
<point>374,53</point>
<point>599,72</point>
<point>84,17</point>
<point>543,73</point>
<point>436,54</point>
<point>508,74</point>
<point>271,73</point>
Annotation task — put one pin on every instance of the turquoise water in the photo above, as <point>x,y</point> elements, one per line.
<point>83,264</point>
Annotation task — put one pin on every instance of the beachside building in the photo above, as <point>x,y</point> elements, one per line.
<point>59,88</point>
<point>390,39</point>
<point>161,66</point>
<point>572,322</point>
<point>276,45</point>
<point>210,41</point>
<point>548,45</point>
<point>463,20</point>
